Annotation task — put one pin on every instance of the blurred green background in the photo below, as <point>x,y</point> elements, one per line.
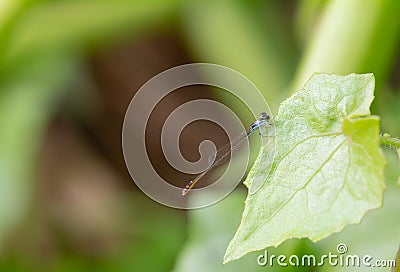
<point>68,70</point>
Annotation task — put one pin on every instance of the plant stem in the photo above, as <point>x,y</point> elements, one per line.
<point>390,141</point>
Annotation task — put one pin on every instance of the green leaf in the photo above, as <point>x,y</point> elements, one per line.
<point>327,171</point>
<point>383,238</point>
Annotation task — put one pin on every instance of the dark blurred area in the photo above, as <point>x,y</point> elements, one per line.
<point>68,71</point>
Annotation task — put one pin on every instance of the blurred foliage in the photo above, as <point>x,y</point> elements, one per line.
<point>41,46</point>
<point>353,37</point>
<point>24,111</point>
<point>46,44</point>
<point>239,34</point>
<point>209,232</point>
<point>398,153</point>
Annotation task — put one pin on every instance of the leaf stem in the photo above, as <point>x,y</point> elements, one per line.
<point>390,141</point>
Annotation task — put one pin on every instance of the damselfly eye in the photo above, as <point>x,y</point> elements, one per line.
<point>264,116</point>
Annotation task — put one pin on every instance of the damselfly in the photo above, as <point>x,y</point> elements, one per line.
<point>222,154</point>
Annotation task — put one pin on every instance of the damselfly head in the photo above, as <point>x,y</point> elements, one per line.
<point>264,116</point>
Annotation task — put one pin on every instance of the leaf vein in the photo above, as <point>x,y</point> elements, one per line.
<point>296,191</point>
